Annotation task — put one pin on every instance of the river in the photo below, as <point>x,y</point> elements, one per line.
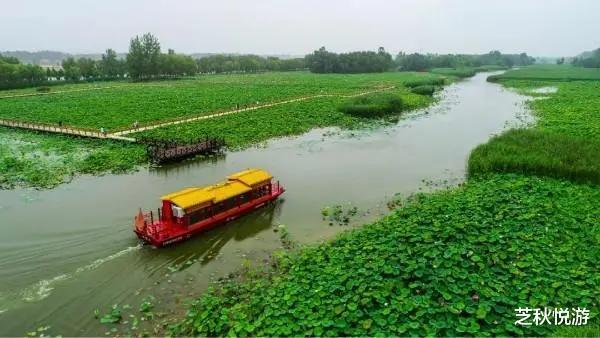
<point>68,251</point>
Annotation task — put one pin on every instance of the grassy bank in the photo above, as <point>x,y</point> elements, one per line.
<point>549,72</point>
<point>451,263</point>
<point>565,141</point>
<point>539,152</point>
<point>32,159</point>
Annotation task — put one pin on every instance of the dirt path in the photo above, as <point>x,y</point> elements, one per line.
<point>121,134</point>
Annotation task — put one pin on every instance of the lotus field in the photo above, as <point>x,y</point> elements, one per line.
<point>119,105</point>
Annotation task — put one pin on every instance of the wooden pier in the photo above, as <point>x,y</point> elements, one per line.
<point>164,151</point>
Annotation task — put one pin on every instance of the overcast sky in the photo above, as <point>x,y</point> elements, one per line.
<point>538,27</point>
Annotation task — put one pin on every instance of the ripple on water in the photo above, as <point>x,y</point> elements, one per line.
<point>43,288</point>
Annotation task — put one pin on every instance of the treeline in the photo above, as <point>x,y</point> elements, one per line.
<point>247,64</point>
<point>421,62</point>
<point>144,61</point>
<point>322,61</point>
<point>14,74</point>
<point>591,61</point>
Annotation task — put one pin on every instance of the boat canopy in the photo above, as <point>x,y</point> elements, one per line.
<point>235,185</point>
<point>251,177</point>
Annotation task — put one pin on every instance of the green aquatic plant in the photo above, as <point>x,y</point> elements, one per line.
<point>457,72</point>
<point>452,263</point>
<point>339,213</point>
<point>114,316</point>
<point>119,105</point>
<point>423,90</point>
<point>35,159</point>
<point>539,152</point>
<point>372,105</point>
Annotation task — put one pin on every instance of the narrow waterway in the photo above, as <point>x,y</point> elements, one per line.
<point>68,251</point>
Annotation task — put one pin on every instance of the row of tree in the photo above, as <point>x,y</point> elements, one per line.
<point>145,60</point>
<point>14,74</point>
<point>247,64</point>
<point>588,61</point>
<point>420,62</point>
<point>322,61</point>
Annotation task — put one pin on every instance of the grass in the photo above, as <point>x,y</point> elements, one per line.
<point>423,90</point>
<point>565,141</point>
<point>32,159</point>
<point>452,263</point>
<point>249,128</point>
<point>372,105</point>
<point>549,72</point>
<point>119,107</point>
<point>539,152</point>
<point>458,72</point>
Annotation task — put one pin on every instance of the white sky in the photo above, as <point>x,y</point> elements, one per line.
<point>538,27</point>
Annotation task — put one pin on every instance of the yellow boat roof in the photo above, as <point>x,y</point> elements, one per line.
<point>251,177</point>
<point>236,184</point>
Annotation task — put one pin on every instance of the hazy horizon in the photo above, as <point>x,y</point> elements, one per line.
<point>537,27</point>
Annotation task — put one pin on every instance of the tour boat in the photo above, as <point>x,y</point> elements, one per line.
<point>193,210</point>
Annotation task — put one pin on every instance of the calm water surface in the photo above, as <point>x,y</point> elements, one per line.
<point>68,251</point>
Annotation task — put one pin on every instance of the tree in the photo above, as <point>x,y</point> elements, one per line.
<point>88,68</point>
<point>110,66</point>
<point>144,58</point>
<point>71,69</point>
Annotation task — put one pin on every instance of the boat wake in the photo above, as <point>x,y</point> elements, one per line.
<point>43,288</point>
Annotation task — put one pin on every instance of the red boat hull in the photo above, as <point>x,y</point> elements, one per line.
<point>167,234</point>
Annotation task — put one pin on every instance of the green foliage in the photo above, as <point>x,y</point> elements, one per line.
<point>549,72</point>
<point>423,90</point>
<point>31,159</point>
<point>13,74</point>
<point>591,60</point>
<point>247,128</point>
<point>422,62</point>
<point>114,316</point>
<point>437,81</point>
<point>372,105</point>
<point>539,152</point>
<point>458,72</point>
<point>452,263</point>
<point>338,213</point>
<point>322,61</point>
<point>565,141</point>
<point>246,64</point>
<point>121,104</point>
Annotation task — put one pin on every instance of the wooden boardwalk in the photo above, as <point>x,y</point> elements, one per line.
<point>62,130</point>
<point>121,135</point>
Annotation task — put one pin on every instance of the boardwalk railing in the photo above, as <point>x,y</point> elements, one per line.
<point>61,130</point>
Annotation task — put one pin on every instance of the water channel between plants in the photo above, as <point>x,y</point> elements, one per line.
<point>68,251</point>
